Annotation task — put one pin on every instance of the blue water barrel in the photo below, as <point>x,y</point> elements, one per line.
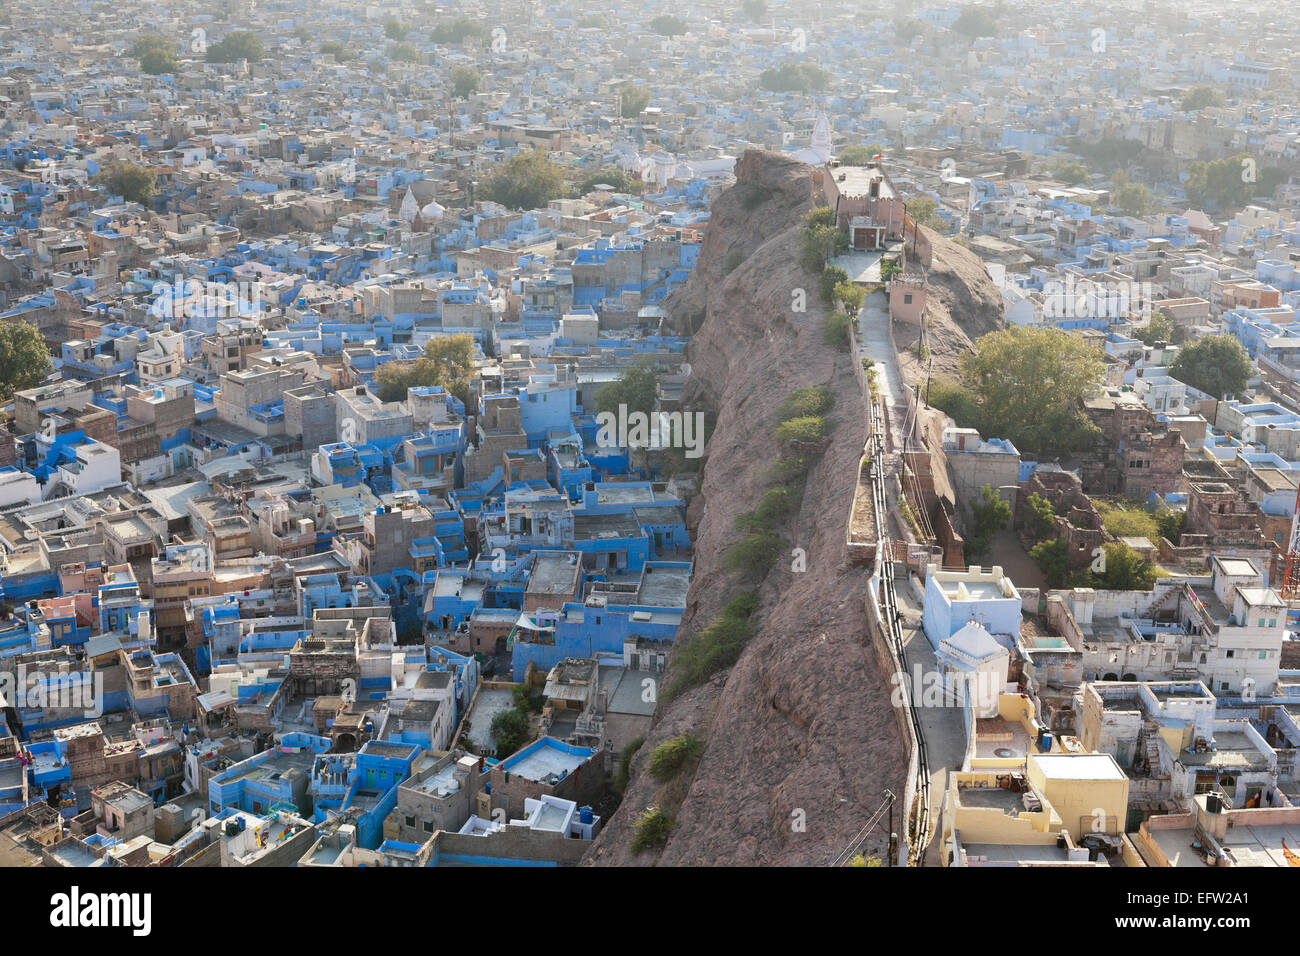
<point>585,815</point>
<point>1045,741</point>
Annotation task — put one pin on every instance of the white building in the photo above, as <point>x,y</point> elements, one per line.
<point>954,598</point>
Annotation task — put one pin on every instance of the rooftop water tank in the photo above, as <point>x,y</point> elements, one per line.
<point>585,815</point>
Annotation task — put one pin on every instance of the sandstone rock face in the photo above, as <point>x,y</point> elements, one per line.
<point>962,303</point>
<point>799,737</point>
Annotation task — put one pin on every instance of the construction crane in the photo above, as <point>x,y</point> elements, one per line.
<point>1290,585</point>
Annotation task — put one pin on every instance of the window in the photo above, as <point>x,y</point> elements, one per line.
<point>428,826</point>
<point>907,298</point>
<point>1263,655</point>
<point>1223,685</point>
<point>1230,654</point>
<point>410,821</point>
<point>1272,622</point>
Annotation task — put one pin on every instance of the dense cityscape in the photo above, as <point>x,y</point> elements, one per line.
<point>557,435</point>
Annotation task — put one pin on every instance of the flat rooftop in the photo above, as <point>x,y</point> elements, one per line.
<point>663,586</point>
<point>1079,767</point>
<point>546,761</point>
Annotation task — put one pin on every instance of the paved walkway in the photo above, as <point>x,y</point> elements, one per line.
<point>873,340</point>
<point>943,726</point>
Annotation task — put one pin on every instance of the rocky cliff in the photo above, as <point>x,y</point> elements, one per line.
<point>799,739</point>
<point>962,303</point>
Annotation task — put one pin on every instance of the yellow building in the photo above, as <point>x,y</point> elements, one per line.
<point>1089,791</point>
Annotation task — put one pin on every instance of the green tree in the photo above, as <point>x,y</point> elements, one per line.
<point>668,759</point>
<point>1027,383</point>
<point>1040,518</point>
<point>1159,329</point>
<point>527,180</point>
<point>829,280</point>
<point>593,21</point>
<point>976,22</point>
<point>622,181</point>
<point>302,33</point>
<point>794,78</point>
<point>1171,524</point>
<point>464,81</point>
<point>460,30</point>
<point>859,155</point>
<point>652,829</point>
<point>448,361</point>
<point>403,53</point>
<point>1227,182</point>
<point>1200,97</point>
<point>1053,559</point>
<point>1133,199</point>
<point>804,430</point>
<point>1125,570</point>
<point>668,26</point>
<point>637,388</point>
<point>236,46</point>
<point>989,515</point>
<point>923,210</point>
<point>820,239</point>
<point>337,50</point>
<point>634,99</point>
<point>1215,364</point>
<point>24,357</point>
<point>1070,172</point>
<point>132,182</point>
<point>395,29</point>
<point>907,29</point>
<point>754,554</point>
<point>754,9</point>
<point>156,62</point>
<point>146,42</point>
<point>850,296</point>
<point>511,730</point>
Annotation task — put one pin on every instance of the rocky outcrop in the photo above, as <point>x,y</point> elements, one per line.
<point>962,303</point>
<point>799,740</point>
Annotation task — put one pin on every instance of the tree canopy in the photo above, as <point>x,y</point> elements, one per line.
<point>459,30</point>
<point>236,46</point>
<point>146,42</point>
<point>637,388</point>
<point>635,99</point>
<point>976,22</point>
<point>527,180</point>
<point>337,50</point>
<point>464,81</point>
<point>859,155</point>
<point>794,78</point>
<point>448,361</point>
<point>668,26</point>
<point>1200,97</point>
<point>156,62</point>
<point>132,182</point>
<point>989,515</point>
<point>1216,364</point>
<point>24,358</point>
<point>1229,182</point>
<point>1159,329</point>
<point>1024,383</point>
<point>620,179</point>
